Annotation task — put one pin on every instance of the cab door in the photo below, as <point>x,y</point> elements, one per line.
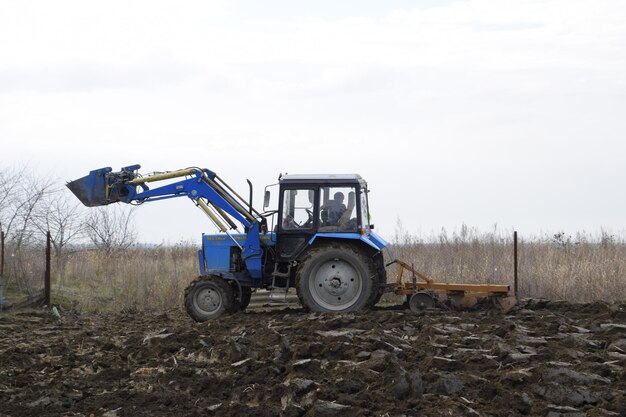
<point>297,220</point>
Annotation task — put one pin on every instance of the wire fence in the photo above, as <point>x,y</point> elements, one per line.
<point>92,278</point>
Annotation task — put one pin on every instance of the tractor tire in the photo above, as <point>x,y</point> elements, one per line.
<point>382,280</point>
<point>246,295</point>
<point>208,298</point>
<point>379,294</point>
<point>336,278</point>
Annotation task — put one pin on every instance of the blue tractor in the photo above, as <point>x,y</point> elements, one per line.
<point>318,240</point>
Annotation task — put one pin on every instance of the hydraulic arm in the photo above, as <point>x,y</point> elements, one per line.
<point>213,196</point>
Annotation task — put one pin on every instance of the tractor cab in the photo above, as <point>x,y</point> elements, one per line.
<point>312,206</point>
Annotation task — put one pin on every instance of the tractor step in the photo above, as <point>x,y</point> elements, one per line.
<point>277,273</point>
<point>279,293</point>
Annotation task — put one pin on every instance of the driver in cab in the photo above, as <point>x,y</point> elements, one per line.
<point>335,209</point>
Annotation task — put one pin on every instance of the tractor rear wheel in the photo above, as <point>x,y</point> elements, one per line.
<point>382,278</point>
<point>336,278</point>
<point>207,298</point>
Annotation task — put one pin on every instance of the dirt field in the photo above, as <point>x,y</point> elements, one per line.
<point>543,359</point>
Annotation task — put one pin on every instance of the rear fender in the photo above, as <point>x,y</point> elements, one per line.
<point>371,248</point>
<point>372,240</point>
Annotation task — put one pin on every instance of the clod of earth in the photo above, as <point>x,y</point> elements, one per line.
<point>543,358</point>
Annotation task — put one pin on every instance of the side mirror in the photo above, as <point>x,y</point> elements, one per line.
<point>371,227</point>
<point>266,200</point>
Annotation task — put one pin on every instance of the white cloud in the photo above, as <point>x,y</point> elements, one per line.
<point>437,102</point>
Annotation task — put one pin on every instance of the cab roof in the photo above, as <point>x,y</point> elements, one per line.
<point>322,179</point>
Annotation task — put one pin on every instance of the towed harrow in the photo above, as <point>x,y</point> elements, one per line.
<point>426,293</point>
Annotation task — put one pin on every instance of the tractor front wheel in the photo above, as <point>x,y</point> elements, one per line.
<point>246,295</point>
<point>336,278</point>
<point>207,298</point>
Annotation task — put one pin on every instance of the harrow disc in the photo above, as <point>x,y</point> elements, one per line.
<point>421,301</point>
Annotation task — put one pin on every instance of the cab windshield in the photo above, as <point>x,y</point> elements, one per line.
<point>298,209</point>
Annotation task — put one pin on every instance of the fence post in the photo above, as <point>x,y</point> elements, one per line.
<point>1,257</point>
<point>47,275</point>
<point>1,268</point>
<point>515,263</point>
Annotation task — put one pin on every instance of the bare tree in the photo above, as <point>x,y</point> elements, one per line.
<point>9,185</point>
<point>62,215</point>
<point>110,228</point>
<point>21,194</point>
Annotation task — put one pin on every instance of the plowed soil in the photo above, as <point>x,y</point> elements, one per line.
<point>542,359</point>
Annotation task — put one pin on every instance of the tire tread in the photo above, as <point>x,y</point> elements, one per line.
<point>366,261</point>
<point>228,301</point>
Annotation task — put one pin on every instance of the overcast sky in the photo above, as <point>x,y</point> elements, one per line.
<point>477,111</point>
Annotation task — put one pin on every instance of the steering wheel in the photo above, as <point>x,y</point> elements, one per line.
<point>290,223</point>
<point>309,221</point>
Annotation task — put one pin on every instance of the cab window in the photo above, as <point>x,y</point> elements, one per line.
<point>297,211</point>
<point>365,215</point>
<point>337,209</point>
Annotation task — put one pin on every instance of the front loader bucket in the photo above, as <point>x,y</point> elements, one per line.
<point>92,189</point>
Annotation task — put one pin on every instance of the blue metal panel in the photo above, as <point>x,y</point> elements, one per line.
<point>201,262</point>
<point>377,243</point>
<point>252,253</point>
<point>218,258</point>
<point>223,239</point>
<point>216,250</point>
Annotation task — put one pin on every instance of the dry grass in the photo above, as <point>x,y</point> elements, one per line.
<point>576,268</point>
<point>556,266</point>
<point>135,278</point>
